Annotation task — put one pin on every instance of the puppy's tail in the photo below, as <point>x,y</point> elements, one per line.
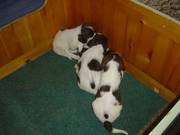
<point>108,126</point>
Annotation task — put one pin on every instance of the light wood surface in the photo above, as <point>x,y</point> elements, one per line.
<point>147,41</point>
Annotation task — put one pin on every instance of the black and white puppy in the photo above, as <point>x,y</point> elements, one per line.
<point>107,104</point>
<point>88,69</point>
<point>70,42</point>
<point>98,38</point>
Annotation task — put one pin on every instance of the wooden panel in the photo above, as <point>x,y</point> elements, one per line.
<point>97,14</point>
<point>145,48</point>
<point>4,58</point>
<point>10,41</point>
<point>134,27</point>
<point>171,63</point>
<point>175,79</point>
<point>36,26</point>
<point>23,34</point>
<point>159,55</point>
<point>119,30</point>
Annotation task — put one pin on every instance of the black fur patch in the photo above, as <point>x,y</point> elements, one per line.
<point>86,33</point>
<point>79,65</point>
<point>108,126</point>
<point>82,39</point>
<point>98,94</point>
<point>98,39</point>
<point>93,85</point>
<point>83,50</point>
<point>119,60</point>
<point>106,68</point>
<point>116,94</point>
<point>104,88</point>
<point>94,65</point>
<point>106,116</point>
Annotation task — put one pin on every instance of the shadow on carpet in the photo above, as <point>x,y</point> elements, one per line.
<point>43,98</point>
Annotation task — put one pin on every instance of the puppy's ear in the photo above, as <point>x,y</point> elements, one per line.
<point>87,31</point>
<point>108,56</point>
<point>82,39</point>
<point>82,51</point>
<point>98,94</point>
<point>116,94</point>
<point>108,126</point>
<point>119,60</point>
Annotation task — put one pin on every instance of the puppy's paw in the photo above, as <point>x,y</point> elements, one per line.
<point>76,57</point>
<point>69,58</point>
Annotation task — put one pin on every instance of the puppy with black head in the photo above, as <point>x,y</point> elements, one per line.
<point>107,105</point>
<point>88,69</point>
<point>69,42</point>
<point>98,38</point>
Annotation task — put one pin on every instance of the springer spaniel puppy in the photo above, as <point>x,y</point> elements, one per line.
<point>107,104</point>
<point>70,42</point>
<point>88,69</point>
<point>98,38</point>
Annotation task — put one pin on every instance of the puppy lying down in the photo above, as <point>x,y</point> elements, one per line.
<point>70,42</point>
<point>107,104</point>
<point>88,69</point>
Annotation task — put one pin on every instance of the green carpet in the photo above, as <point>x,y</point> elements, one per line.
<point>43,98</point>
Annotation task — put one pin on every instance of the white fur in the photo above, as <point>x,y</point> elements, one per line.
<point>66,43</point>
<point>112,76</point>
<point>107,103</point>
<point>85,74</point>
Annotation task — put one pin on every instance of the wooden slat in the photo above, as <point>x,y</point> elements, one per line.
<point>23,34</point>
<point>132,38</point>
<point>97,14</point>
<point>170,64</point>
<point>4,58</point>
<point>119,30</point>
<point>175,79</point>
<point>9,39</point>
<point>159,55</point>
<point>108,8</point>
<point>145,48</point>
<point>36,26</point>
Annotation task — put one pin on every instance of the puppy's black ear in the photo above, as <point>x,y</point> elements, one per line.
<point>119,60</point>
<point>82,39</point>
<point>108,126</point>
<point>98,94</point>
<point>83,50</point>
<point>116,94</point>
<point>87,31</point>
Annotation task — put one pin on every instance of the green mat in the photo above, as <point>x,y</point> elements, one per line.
<point>43,98</point>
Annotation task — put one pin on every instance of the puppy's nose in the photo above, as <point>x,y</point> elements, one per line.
<point>106,116</point>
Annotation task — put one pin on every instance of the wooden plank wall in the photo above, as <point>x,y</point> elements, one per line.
<point>149,43</point>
